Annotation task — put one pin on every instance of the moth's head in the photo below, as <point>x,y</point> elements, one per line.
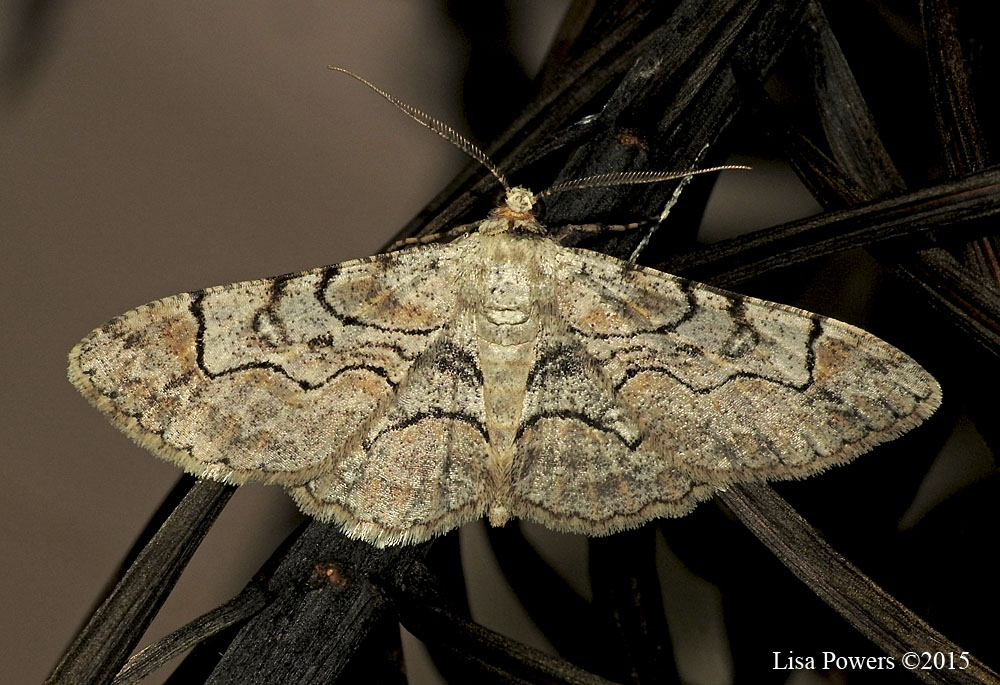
<point>519,200</point>
<point>515,213</point>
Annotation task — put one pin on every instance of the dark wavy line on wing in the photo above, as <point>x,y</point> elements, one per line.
<point>576,416</point>
<point>418,417</point>
<point>199,315</point>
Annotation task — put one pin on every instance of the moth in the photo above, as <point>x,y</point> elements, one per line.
<point>500,374</point>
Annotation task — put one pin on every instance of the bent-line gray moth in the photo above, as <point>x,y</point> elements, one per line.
<point>405,394</point>
<point>501,374</point>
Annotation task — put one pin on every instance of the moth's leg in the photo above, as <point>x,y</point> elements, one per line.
<point>431,237</point>
<point>560,233</point>
<point>652,224</point>
<point>674,197</point>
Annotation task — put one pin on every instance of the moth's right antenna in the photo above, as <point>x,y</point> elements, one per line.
<point>630,178</point>
<point>439,127</point>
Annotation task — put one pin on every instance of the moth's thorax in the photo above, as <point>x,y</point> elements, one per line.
<point>507,289</point>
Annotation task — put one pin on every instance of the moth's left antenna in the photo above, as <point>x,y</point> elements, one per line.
<point>439,127</point>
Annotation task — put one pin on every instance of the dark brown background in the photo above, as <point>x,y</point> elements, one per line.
<point>164,147</point>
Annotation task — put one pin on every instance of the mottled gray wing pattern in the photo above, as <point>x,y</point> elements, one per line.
<point>583,463</point>
<point>419,467</point>
<point>287,380</point>
<point>714,388</point>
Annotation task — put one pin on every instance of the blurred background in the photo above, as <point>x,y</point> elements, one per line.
<point>153,148</point>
